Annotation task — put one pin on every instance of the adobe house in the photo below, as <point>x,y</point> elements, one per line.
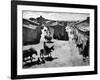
<point>31,32</point>
<point>82,30</point>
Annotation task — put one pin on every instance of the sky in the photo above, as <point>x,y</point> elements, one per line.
<point>56,15</point>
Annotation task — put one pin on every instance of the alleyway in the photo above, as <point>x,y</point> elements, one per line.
<point>65,54</point>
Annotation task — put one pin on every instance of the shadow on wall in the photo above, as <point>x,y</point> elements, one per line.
<point>31,36</point>
<point>60,33</point>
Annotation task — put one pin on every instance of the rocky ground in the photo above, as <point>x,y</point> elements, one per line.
<point>65,54</point>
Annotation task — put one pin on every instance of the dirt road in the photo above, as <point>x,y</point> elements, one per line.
<point>65,54</point>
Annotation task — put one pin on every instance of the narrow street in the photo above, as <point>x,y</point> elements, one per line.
<point>65,54</point>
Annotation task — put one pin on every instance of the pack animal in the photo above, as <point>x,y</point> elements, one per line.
<point>46,51</point>
<point>28,54</point>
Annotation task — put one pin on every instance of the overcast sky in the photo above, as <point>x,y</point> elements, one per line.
<point>56,15</point>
